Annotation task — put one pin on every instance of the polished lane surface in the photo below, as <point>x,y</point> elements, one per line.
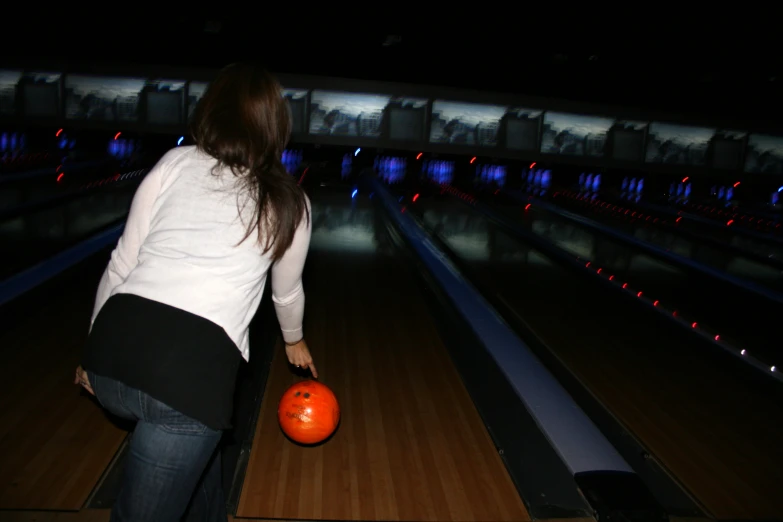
<point>411,445</point>
<point>716,253</point>
<point>765,246</point>
<point>56,441</point>
<point>710,424</point>
<point>34,236</point>
<point>741,318</point>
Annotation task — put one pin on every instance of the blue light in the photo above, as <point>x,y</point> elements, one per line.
<point>353,194</point>
<point>357,152</point>
<point>780,189</point>
<point>180,140</point>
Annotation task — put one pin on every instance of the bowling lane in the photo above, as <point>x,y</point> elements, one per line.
<point>56,441</point>
<point>712,426</point>
<point>743,318</point>
<point>717,254</point>
<point>411,445</point>
<point>32,236</point>
<point>758,244</point>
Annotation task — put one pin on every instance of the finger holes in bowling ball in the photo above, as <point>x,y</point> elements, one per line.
<point>313,422</point>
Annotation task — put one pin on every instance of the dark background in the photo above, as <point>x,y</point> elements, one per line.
<point>717,59</point>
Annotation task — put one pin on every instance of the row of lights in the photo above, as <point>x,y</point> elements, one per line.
<point>36,157</point>
<point>111,179</point>
<point>625,213</point>
<point>694,325</point>
<point>622,212</point>
<point>710,210</point>
<point>746,219</point>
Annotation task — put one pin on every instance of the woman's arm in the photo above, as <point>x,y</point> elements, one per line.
<point>287,291</point>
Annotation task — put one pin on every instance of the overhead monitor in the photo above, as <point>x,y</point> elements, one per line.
<point>8,82</point>
<point>522,127</point>
<point>727,149</point>
<point>627,140</point>
<point>41,93</point>
<point>347,114</point>
<point>468,124</point>
<point>764,154</point>
<point>678,144</point>
<point>98,98</point>
<point>297,102</point>
<point>406,117</point>
<point>195,91</point>
<point>574,134</point>
<point>165,102</point>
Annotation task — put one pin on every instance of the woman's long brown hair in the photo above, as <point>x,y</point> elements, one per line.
<point>244,122</point>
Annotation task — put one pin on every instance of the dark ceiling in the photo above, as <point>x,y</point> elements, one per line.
<point>698,64</point>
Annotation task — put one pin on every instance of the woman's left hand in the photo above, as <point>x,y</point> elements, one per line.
<point>81,378</point>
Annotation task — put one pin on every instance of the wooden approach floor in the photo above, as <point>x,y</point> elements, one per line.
<point>716,433</point>
<point>55,441</point>
<point>102,515</point>
<point>411,445</point>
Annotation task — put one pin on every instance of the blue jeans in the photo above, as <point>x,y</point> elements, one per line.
<point>173,470</point>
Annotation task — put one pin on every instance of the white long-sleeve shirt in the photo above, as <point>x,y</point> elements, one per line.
<point>181,247</point>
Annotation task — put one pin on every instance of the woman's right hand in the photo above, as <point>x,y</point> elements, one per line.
<point>299,355</point>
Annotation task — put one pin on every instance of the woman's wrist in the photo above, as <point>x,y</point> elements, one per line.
<point>294,343</point>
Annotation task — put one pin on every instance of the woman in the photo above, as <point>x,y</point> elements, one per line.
<point>171,317</point>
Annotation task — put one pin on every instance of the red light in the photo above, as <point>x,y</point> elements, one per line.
<point>415,197</point>
<point>736,184</point>
<point>686,178</point>
<point>117,135</point>
<point>625,285</point>
<point>611,277</point>
<point>598,271</point>
<point>694,325</point>
<point>656,303</point>
<point>639,294</point>
<point>472,160</point>
<point>532,164</point>
<point>419,155</point>
<point>57,135</point>
<point>729,222</point>
<point>303,175</point>
<point>527,206</point>
<point>717,337</point>
<point>678,219</point>
<point>60,176</point>
<point>587,265</point>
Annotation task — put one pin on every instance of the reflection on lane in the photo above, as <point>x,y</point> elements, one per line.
<point>739,319</point>
<point>345,224</point>
<point>37,235</point>
<point>703,252</point>
<point>662,385</point>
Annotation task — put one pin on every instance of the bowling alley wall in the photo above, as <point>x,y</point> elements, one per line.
<point>333,111</point>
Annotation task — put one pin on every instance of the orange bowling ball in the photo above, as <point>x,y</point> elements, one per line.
<point>308,412</point>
